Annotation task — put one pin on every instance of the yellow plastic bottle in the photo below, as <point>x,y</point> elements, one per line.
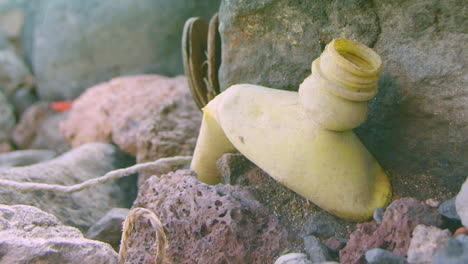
<point>304,139</point>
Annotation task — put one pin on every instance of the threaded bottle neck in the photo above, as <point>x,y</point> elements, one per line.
<point>349,69</point>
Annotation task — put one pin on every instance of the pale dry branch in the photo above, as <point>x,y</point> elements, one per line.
<point>110,176</point>
<point>128,227</point>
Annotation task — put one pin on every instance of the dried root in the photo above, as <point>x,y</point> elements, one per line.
<point>110,176</point>
<point>129,225</point>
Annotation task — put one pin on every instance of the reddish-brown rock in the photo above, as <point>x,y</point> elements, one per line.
<point>298,215</point>
<point>207,224</point>
<point>172,132</point>
<point>112,111</point>
<point>393,234</point>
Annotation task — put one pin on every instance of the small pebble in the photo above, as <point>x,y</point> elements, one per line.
<point>448,209</point>
<point>109,228</point>
<point>432,203</point>
<point>381,256</point>
<point>324,225</point>
<point>378,215</point>
<point>293,258</point>
<point>334,244</point>
<point>461,231</point>
<point>315,249</point>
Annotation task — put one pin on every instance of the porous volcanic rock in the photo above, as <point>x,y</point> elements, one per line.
<point>208,224</point>
<point>423,90</point>
<point>29,235</point>
<point>298,215</point>
<point>393,234</point>
<point>172,130</point>
<point>81,209</point>
<point>112,111</point>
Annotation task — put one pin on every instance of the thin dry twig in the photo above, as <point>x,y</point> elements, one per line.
<point>128,227</point>
<point>110,176</point>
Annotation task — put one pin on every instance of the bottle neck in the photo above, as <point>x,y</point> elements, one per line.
<point>343,79</point>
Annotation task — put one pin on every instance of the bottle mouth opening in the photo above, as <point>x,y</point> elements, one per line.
<point>361,59</point>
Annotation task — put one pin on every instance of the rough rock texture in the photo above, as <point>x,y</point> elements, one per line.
<point>284,37</point>
<point>381,256</point>
<point>72,45</point>
<point>461,203</point>
<point>393,234</point>
<point>112,111</point>
<point>29,235</point>
<point>208,224</point>
<point>109,228</point>
<point>172,131</point>
<point>425,242</point>
<point>25,157</point>
<point>7,120</point>
<point>38,128</point>
<point>299,216</point>
<point>421,106</point>
<point>81,209</point>
<point>455,251</point>
<point>293,258</point>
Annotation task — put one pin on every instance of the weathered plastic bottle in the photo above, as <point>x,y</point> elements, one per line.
<point>304,139</point>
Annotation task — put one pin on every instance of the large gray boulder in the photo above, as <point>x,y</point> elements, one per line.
<point>81,209</point>
<point>72,45</point>
<point>16,81</point>
<point>419,121</point>
<point>29,235</point>
<point>13,71</point>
